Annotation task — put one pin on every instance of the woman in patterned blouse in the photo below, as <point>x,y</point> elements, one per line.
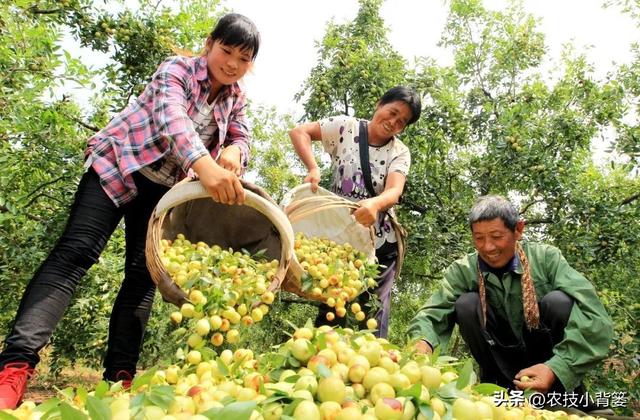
<point>389,162</point>
<point>191,116</point>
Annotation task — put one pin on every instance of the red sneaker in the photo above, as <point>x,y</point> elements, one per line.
<point>125,377</point>
<point>13,384</point>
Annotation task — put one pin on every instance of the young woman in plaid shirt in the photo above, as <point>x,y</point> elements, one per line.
<point>191,116</point>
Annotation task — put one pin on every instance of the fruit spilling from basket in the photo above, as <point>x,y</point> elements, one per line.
<point>336,272</point>
<point>225,289</point>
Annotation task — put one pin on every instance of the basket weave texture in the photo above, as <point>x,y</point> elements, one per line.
<point>322,214</point>
<point>187,208</point>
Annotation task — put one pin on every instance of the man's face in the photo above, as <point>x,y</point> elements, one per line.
<point>495,243</point>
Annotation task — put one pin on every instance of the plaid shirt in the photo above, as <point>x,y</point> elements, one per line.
<point>160,122</point>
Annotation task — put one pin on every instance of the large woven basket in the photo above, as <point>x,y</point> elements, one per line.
<point>187,208</point>
<point>322,214</point>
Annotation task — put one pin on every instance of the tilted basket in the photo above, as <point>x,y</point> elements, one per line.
<point>322,214</point>
<point>187,208</point>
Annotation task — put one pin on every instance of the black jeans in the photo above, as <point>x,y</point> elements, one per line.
<point>499,353</point>
<point>93,218</point>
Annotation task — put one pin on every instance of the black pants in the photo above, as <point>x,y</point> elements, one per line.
<point>499,353</point>
<point>93,218</point>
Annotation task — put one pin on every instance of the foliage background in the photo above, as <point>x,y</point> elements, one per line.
<point>493,122</point>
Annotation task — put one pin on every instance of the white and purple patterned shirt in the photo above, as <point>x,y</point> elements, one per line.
<point>341,140</point>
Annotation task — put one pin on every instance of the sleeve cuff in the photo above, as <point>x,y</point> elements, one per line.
<point>563,373</point>
<point>244,151</point>
<point>190,159</point>
<point>426,336</point>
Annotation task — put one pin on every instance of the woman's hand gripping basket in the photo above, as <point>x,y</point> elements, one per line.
<point>258,225</point>
<point>334,256</point>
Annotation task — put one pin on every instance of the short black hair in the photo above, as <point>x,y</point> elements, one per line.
<point>236,30</point>
<point>406,95</point>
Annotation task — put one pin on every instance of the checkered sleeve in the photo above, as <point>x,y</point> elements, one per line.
<point>238,131</point>
<point>170,116</point>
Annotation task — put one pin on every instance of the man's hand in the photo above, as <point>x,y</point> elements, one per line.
<point>422,347</point>
<point>537,377</point>
<point>231,159</point>
<point>313,177</point>
<point>367,214</point>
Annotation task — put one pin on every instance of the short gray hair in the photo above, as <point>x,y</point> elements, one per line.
<point>489,207</point>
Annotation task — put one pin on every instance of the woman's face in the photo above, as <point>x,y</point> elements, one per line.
<point>390,119</point>
<point>227,64</point>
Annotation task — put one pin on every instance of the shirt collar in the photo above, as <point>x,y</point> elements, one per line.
<point>513,266</point>
<point>202,75</point>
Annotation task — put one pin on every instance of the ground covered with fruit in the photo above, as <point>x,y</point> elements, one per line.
<point>319,373</point>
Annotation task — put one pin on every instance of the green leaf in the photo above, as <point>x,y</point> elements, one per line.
<point>441,360</point>
<point>449,392</point>
<point>143,379</point>
<point>240,410</point>
<point>292,361</point>
<point>207,353</point>
<point>162,396</point>
<point>68,393</point>
<point>222,367</point>
<point>414,391</point>
<point>434,356</point>
<point>6,416</point>
<point>321,341</point>
<point>323,371</point>
<point>426,410</point>
<point>70,413</point>
<point>292,379</point>
<point>53,413</point>
<point>213,413</point>
<point>488,389</point>
<point>465,375</point>
<point>47,405</point>
<point>81,395</point>
<point>307,283</point>
<point>274,398</point>
<point>137,401</point>
<point>98,409</point>
<point>101,389</point>
<point>290,408</point>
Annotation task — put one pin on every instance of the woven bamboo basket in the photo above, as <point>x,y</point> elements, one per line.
<point>187,208</point>
<point>322,214</point>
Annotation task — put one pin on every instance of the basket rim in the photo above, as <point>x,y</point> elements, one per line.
<point>292,281</point>
<point>193,190</point>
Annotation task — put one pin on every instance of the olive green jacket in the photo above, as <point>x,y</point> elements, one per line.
<point>589,330</point>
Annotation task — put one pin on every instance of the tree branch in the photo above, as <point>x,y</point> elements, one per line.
<point>524,210</point>
<point>60,178</point>
<point>630,199</point>
<point>346,104</point>
<point>413,206</point>
<point>50,197</point>
<point>83,124</point>
<point>4,209</point>
<point>36,11</point>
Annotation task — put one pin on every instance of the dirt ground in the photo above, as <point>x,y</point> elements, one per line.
<point>43,386</point>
